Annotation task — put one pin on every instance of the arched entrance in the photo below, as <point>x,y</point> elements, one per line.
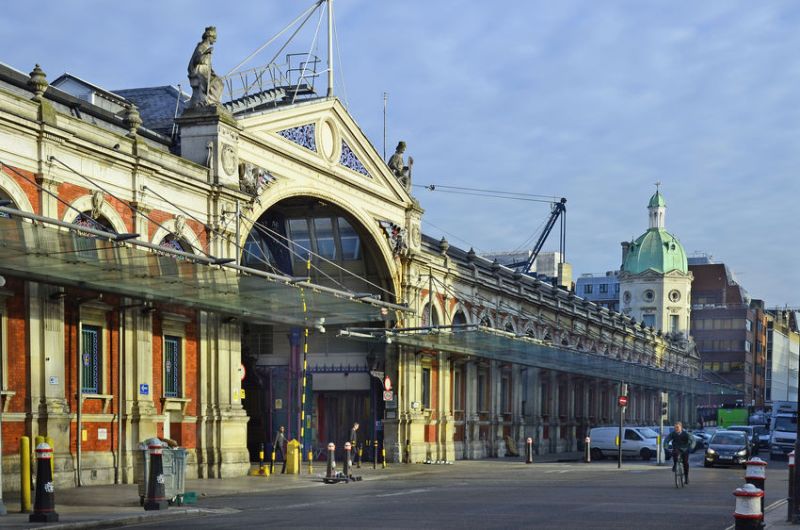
<point>340,389</point>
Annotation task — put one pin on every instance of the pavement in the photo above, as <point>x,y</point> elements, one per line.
<point>117,505</point>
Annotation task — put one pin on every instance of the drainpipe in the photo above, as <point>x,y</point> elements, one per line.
<point>79,428</point>
<point>120,393</point>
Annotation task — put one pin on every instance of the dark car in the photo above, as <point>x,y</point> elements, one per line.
<point>727,448</point>
<point>752,436</point>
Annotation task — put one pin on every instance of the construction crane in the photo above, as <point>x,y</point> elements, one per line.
<point>558,211</point>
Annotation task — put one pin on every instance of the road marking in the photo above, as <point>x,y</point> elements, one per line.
<point>407,492</point>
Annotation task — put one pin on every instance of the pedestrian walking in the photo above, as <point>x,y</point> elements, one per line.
<point>354,435</point>
<point>279,446</point>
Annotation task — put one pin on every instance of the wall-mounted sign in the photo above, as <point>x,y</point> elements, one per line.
<point>278,404</point>
<point>388,395</point>
<point>387,384</point>
<point>102,434</point>
<point>53,379</point>
<point>144,389</point>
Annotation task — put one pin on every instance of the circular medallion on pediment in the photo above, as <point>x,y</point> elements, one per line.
<point>229,160</point>
<point>327,140</point>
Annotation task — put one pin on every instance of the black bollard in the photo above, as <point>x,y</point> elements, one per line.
<point>790,504</point>
<point>348,463</point>
<point>587,450</point>
<point>529,450</point>
<point>408,451</point>
<point>156,494</point>
<point>375,454</point>
<point>44,508</point>
<point>360,450</point>
<point>331,471</point>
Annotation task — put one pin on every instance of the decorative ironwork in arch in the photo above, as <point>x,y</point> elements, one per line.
<point>349,160</point>
<point>85,219</point>
<point>173,242</point>
<point>302,135</point>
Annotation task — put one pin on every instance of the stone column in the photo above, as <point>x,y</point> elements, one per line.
<point>555,409</point>
<point>472,442</point>
<point>446,428</point>
<point>571,414</point>
<point>494,443</point>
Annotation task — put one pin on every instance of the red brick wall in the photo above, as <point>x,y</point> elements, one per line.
<point>24,180</point>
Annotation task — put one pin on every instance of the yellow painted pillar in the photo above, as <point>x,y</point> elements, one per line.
<point>25,473</point>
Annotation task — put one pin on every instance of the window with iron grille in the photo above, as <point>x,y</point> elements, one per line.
<point>91,358</point>
<point>172,366</point>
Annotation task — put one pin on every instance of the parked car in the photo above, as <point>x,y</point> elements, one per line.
<point>636,441</point>
<point>752,436</point>
<point>763,435</point>
<point>702,438</point>
<point>727,448</point>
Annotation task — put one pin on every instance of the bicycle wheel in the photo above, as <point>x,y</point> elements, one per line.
<point>679,476</point>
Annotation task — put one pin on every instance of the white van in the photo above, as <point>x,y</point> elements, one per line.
<point>636,441</point>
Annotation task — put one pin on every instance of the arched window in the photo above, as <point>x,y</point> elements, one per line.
<point>459,319</point>
<point>486,322</point>
<point>509,327</point>
<point>4,197</point>
<point>426,316</point>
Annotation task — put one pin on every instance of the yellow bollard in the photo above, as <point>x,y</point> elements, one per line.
<point>310,462</point>
<point>25,474</point>
<point>49,441</point>
<point>383,455</point>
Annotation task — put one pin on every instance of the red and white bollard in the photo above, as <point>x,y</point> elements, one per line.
<point>748,514</point>
<point>756,474</point>
<point>587,450</point>
<point>790,504</point>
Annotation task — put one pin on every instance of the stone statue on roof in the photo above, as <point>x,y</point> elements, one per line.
<point>206,84</point>
<point>398,167</point>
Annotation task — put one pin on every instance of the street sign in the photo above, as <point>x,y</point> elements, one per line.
<point>388,395</point>
<point>144,389</point>
<point>623,401</point>
<point>242,370</point>
<point>387,384</point>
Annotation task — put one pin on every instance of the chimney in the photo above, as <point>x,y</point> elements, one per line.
<point>625,246</point>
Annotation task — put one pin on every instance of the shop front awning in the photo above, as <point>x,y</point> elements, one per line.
<point>479,342</point>
<point>59,253</point>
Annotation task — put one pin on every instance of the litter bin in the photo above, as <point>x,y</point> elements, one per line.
<point>174,462</point>
<point>293,458</point>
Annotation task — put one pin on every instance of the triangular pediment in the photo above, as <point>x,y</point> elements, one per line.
<point>322,135</point>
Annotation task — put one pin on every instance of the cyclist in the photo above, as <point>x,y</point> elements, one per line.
<point>682,443</point>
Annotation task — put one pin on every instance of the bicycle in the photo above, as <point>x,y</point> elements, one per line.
<point>679,474</point>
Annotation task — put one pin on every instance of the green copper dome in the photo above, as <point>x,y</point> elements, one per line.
<point>657,200</point>
<point>656,249</point>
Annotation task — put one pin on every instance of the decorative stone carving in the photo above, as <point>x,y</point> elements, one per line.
<point>38,82</point>
<point>401,171</point>
<point>253,179</point>
<point>206,85</point>
<point>180,225</point>
<point>229,159</point>
<point>397,237</point>
<point>132,119</point>
<point>97,203</point>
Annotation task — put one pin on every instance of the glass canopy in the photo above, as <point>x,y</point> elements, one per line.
<point>64,254</point>
<point>492,344</point>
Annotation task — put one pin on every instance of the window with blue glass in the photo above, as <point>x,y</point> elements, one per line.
<point>91,359</point>
<point>172,366</point>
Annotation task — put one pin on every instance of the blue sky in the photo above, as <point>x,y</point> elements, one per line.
<point>593,101</point>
